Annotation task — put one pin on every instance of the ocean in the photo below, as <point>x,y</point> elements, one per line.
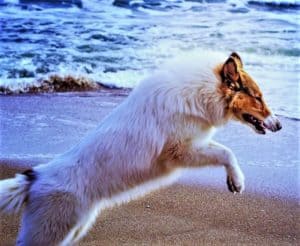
<point>118,43</point>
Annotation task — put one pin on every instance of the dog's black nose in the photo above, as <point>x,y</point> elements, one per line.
<point>272,123</point>
<point>278,126</point>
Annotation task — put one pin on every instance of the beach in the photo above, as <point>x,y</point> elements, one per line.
<point>197,210</point>
<point>51,49</point>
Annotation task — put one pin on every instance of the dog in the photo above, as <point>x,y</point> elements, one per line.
<point>165,125</point>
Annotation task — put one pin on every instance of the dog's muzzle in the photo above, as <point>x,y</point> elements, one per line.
<point>272,123</point>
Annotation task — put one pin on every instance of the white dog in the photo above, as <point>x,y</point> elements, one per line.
<point>166,124</point>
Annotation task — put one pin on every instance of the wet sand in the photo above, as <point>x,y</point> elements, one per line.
<point>197,210</point>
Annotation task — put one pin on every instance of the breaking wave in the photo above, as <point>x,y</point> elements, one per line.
<point>53,83</point>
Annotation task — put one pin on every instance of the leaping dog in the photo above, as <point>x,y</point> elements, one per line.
<point>166,124</point>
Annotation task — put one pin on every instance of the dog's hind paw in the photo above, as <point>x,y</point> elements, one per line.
<point>236,183</point>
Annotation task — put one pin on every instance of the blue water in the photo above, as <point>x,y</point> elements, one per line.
<point>120,42</point>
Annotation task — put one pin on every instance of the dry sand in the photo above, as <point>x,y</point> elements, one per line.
<point>186,215</point>
<point>36,128</point>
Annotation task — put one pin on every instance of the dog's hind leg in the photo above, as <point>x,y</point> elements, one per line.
<point>48,218</point>
<point>83,225</point>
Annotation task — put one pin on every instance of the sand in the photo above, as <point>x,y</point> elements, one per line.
<point>197,210</point>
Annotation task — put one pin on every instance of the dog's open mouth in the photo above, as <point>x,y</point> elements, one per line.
<point>258,124</point>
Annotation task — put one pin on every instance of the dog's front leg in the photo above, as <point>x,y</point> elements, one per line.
<point>218,155</point>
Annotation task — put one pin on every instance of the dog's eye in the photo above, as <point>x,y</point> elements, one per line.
<point>234,86</point>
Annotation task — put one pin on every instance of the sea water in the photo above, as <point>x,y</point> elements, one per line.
<point>120,42</point>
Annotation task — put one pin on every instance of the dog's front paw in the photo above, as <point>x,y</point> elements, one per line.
<point>236,182</point>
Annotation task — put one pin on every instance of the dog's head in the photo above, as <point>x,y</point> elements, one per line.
<point>245,100</point>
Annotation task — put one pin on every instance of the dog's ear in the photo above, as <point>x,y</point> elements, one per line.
<point>231,68</point>
<point>237,58</point>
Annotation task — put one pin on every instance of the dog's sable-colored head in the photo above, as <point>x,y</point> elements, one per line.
<point>245,100</point>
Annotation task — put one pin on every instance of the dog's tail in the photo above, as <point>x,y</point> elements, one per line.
<point>14,191</point>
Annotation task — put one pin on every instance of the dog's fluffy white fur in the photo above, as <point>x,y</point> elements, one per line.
<point>166,124</point>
